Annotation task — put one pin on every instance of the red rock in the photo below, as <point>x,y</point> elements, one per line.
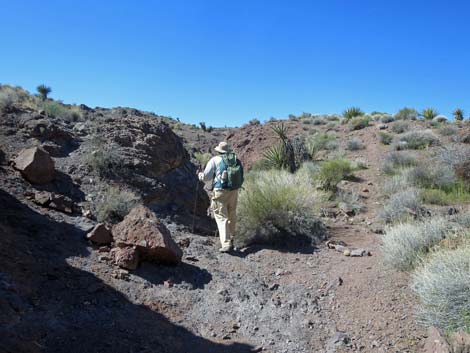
<point>127,257</point>
<point>141,228</point>
<point>35,165</point>
<point>100,235</point>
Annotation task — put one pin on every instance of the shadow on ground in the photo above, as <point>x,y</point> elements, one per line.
<point>46,305</point>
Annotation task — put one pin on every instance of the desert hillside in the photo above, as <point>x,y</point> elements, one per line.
<point>353,232</point>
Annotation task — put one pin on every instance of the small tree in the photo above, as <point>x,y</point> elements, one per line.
<point>203,126</point>
<point>43,91</point>
<point>458,114</point>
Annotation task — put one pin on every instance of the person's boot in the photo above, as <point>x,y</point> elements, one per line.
<point>226,248</point>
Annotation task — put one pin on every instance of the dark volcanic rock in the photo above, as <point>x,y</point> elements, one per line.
<point>100,235</point>
<point>35,165</point>
<point>141,228</point>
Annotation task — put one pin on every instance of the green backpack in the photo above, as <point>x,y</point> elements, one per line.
<point>234,176</point>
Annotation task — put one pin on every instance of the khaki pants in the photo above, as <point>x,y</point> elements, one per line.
<point>224,206</point>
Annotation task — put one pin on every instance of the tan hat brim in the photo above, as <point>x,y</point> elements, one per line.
<point>219,150</point>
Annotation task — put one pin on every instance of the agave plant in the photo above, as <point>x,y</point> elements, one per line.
<point>281,156</point>
<point>458,114</point>
<point>429,113</point>
<point>352,112</point>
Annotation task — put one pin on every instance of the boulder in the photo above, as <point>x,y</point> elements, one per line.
<point>126,257</point>
<point>35,165</point>
<point>142,229</point>
<point>57,202</point>
<point>100,235</point>
<point>436,342</point>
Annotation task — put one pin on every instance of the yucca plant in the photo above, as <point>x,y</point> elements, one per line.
<point>281,156</point>
<point>352,112</point>
<point>458,114</point>
<point>429,113</point>
<point>43,91</point>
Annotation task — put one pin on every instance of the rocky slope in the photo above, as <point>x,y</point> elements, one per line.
<point>62,293</point>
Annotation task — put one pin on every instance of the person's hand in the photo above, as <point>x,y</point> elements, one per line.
<point>201,176</point>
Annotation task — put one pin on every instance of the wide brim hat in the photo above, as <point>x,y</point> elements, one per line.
<point>222,147</point>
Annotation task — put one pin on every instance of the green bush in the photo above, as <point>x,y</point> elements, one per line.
<point>331,172</point>
<point>114,204</point>
<point>434,197</point>
<point>352,112</point>
<point>359,122</point>
<point>387,119</point>
<point>202,158</point>
<point>57,110</point>
<point>417,140</point>
<point>385,138</point>
<point>404,243</point>
<point>276,207</point>
<point>406,114</point>
<point>442,284</point>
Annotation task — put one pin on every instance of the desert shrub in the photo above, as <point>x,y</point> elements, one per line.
<point>434,197</point>
<point>202,158</point>
<point>403,244</point>
<point>330,125</point>
<point>318,121</point>
<point>307,121</point>
<point>254,122</point>
<point>332,117</point>
<point>276,207</point>
<point>407,114</point>
<point>416,140</point>
<point>385,138</point>
<point>360,164</point>
<point>462,171</point>
<point>320,142</point>
<point>454,154</point>
<point>458,114</point>
<point>349,202</point>
<point>114,204</point>
<point>429,113</point>
<point>387,119</point>
<point>106,162</point>
<point>355,144</point>
<point>395,184</point>
<point>463,219</point>
<point>352,112</point>
<point>448,130</point>
<point>8,97</point>
<point>396,161</point>
<point>359,122</point>
<point>432,174</point>
<point>331,172</point>
<point>442,284</point>
<point>400,127</point>
<point>57,110</point>
<point>401,206</point>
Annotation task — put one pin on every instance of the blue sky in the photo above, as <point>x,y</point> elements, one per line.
<point>226,62</point>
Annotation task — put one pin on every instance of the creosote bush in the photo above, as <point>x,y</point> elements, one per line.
<point>277,207</point>
<point>114,204</point>
<point>407,114</point>
<point>405,243</point>
<point>442,284</point>
<point>331,172</point>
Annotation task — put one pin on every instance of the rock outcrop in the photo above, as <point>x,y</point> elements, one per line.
<point>142,230</point>
<point>35,165</point>
<point>100,235</point>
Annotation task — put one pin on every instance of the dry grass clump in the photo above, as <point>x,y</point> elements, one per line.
<point>396,161</point>
<point>416,140</point>
<point>8,97</point>
<point>448,130</point>
<point>320,142</point>
<point>277,207</point>
<point>401,206</point>
<point>405,243</point>
<point>349,202</point>
<point>442,284</point>
<point>355,144</point>
<point>58,110</point>
<point>114,204</point>
<point>396,183</point>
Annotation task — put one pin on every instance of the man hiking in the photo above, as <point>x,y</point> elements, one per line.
<point>226,173</point>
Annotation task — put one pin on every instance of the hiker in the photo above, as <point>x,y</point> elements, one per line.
<point>226,173</point>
